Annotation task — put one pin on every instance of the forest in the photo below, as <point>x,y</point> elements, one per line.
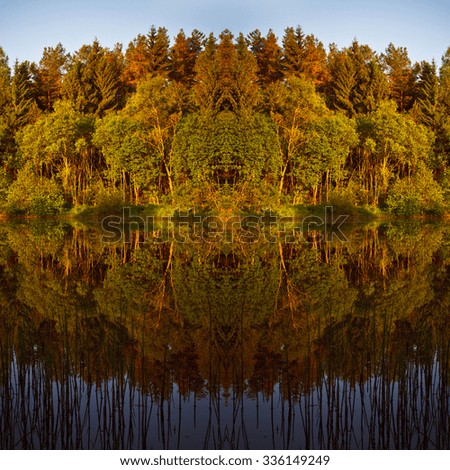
<point>228,123</point>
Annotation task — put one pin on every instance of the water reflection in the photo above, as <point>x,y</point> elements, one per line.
<point>217,345</point>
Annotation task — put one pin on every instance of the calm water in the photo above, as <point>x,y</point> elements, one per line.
<point>218,344</point>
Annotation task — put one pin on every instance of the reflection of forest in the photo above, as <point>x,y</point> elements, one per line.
<point>141,345</point>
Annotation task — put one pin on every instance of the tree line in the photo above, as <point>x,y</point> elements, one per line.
<point>236,122</point>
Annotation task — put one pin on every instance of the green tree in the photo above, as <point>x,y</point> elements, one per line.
<point>7,143</point>
<point>225,151</point>
<point>31,194</point>
<point>442,144</point>
<point>93,82</point>
<point>5,81</point>
<point>419,194</point>
<point>426,95</point>
<point>157,107</point>
<point>294,107</point>
<point>129,166</point>
<point>23,92</point>
<point>324,155</point>
<point>401,76</point>
<point>342,81</point>
<point>392,146</point>
<point>357,83</point>
<point>444,83</point>
<point>49,75</point>
<point>58,146</point>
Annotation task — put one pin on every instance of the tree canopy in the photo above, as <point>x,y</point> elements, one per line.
<point>254,118</point>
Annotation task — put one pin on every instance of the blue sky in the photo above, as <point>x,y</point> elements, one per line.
<point>27,26</point>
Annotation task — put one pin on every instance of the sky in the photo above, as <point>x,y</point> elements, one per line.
<point>27,26</point>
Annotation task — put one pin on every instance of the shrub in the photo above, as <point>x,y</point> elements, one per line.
<point>46,203</point>
<point>416,196</point>
<point>31,195</point>
<point>403,199</point>
<point>109,201</point>
<point>343,201</point>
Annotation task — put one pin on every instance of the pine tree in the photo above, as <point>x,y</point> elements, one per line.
<point>444,83</point>
<point>23,91</point>
<point>107,80</point>
<point>5,81</point>
<point>401,76</point>
<point>226,59</point>
<point>51,69</point>
<point>226,75</point>
<point>93,83</point>
<point>6,130</point>
<point>370,87</point>
<point>427,94</point>
<point>357,81</point>
<point>158,43</point>
<point>305,56</point>
<point>293,50</point>
<point>183,56</point>
<point>147,55</point>
<point>79,83</point>
<point>206,75</point>
<point>442,143</point>
<point>268,56</point>
<point>342,82</point>
<point>245,76</point>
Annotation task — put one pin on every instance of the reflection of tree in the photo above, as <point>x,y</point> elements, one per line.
<point>343,335</point>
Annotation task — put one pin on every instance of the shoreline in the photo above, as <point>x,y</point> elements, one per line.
<point>294,212</point>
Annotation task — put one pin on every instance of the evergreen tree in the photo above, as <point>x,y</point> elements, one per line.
<point>342,82</point>
<point>401,76</point>
<point>79,84</point>
<point>50,71</point>
<point>111,90</point>
<point>7,141</point>
<point>146,55</point>
<point>93,83</point>
<point>206,75</point>
<point>305,55</point>
<point>5,81</point>
<point>23,91</point>
<point>245,76</point>
<point>444,83</point>
<point>370,87</point>
<point>357,82</point>
<point>226,75</point>
<point>427,94</point>
<point>183,56</point>
<point>442,144</point>
<point>268,56</point>
<point>293,50</point>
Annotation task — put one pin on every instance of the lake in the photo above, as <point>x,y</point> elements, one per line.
<point>241,339</point>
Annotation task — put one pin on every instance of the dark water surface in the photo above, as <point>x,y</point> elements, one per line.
<point>214,344</point>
